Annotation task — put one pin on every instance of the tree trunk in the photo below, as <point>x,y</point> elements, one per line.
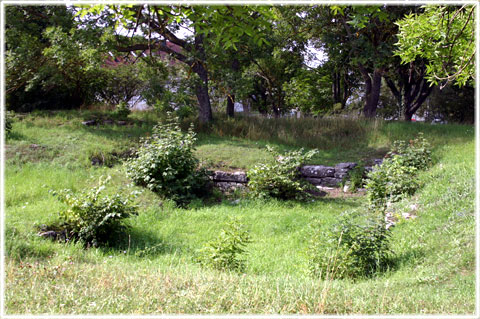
<point>201,88</point>
<point>372,92</point>
<point>231,105</point>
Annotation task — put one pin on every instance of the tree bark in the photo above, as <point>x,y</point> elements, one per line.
<point>201,88</point>
<point>372,91</point>
<point>231,105</point>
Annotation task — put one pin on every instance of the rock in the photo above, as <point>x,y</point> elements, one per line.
<point>317,171</point>
<point>121,123</point>
<point>345,166</point>
<point>341,173</point>
<point>346,188</point>
<point>108,122</point>
<point>49,234</point>
<point>237,177</point>
<point>229,186</point>
<point>325,181</point>
<point>35,146</point>
<point>89,123</point>
<point>331,181</point>
<point>377,161</point>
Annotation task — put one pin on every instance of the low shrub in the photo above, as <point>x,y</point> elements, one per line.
<point>416,153</point>
<point>355,178</point>
<point>357,246</point>
<point>390,182</point>
<point>280,178</point>
<point>224,252</point>
<point>166,165</point>
<point>93,217</point>
<point>8,123</point>
<point>122,110</point>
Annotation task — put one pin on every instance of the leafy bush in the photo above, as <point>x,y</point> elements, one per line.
<point>122,110</point>
<point>395,178</point>
<point>357,246</point>
<point>224,252</point>
<point>390,182</point>
<point>416,153</point>
<point>280,178</point>
<point>8,122</point>
<point>92,217</point>
<point>355,178</point>
<point>166,164</point>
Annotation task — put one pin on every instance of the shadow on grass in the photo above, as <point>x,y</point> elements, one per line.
<point>141,243</point>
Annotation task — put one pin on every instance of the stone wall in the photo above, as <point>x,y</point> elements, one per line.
<point>318,175</point>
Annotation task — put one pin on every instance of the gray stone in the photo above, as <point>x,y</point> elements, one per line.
<point>237,177</point>
<point>345,166</point>
<point>49,234</point>
<point>229,186</point>
<point>122,123</point>
<point>331,181</point>
<point>341,173</point>
<point>89,123</point>
<point>325,181</point>
<point>317,171</point>
<point>108,122</point>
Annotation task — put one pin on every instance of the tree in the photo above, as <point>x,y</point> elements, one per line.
<point>158,25</point>
<point>445,37</point>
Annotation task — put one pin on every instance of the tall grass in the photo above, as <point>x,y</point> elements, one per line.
<point>152,268</point>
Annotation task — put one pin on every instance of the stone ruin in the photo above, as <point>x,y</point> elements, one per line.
<point>318,175</point>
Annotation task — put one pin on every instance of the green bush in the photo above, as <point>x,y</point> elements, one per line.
<point>8,123</point>
<point>416,153</point>
<point>280,178</point>
<point>390,182</point>
<point>355,178</point>
<point>395,178</point>
<point>166,165</point>
<point>93,217</point>
<point>357,246</point>
<point>122,110</point>
<point>224,252</point>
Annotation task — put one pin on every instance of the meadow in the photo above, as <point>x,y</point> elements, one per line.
<point>152,269</point>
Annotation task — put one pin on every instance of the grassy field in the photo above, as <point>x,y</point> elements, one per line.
<point>152,270</point>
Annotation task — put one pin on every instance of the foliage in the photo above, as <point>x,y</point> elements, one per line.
<point>279,179</point>
<point>416,153</point>
<point>224,252</point>
<point>390,182</point>
<point>355,177</point>
<point>444,35</point>
<point>121,82</point>
<point>9,116</point>
<point>122,110</point>
<point>166,164</point>
<point>357,245</point>
<point>395,177</point>
<point>93,217</point>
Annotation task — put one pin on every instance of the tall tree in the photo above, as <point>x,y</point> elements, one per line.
<point>158,25</point>
<point>445,37</point>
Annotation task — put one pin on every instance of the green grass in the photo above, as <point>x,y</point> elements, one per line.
<point>152,269</point>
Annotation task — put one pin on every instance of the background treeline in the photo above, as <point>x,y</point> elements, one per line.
<point>184,59</point>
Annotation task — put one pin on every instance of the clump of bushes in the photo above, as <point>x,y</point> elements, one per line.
<point>8,123</point>
<point>395,178</point>
<point>92,216</point>
<point>355,178</point>
<point>166,164</point>
<point>122,110</point>
<point>224,252</point>
<point>280,178</point>
<point>357,246</point>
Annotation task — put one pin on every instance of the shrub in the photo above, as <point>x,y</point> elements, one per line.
<point>416,153</point>
<point>122,110</point>
<point>93,217</point>
<point>280,178</point>
<point>355,178</point>
<point>357,246</point>
<point>224,252</point>
<point>166,164</point>
<point>8,122</point>
<point>390,182</point>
